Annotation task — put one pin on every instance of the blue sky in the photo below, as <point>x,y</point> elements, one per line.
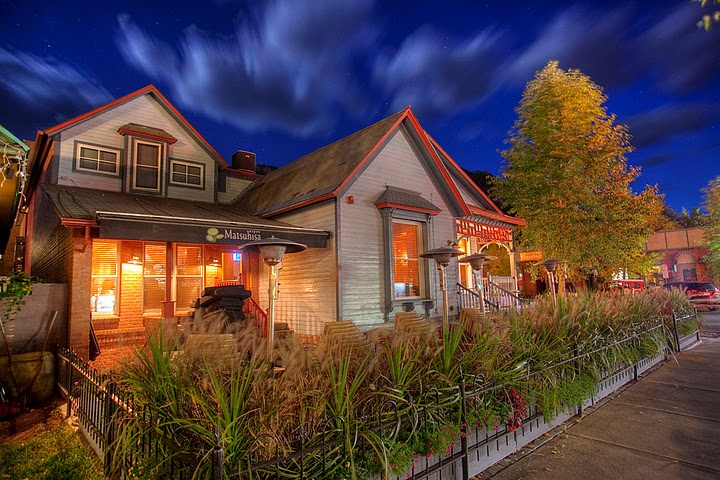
<point>282,78</point>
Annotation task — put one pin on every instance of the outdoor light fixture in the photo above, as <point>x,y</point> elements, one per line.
<point>442,256</point>
<point>214,262</point>
<point>272,250</point>
<point>476,261</point>
<point>135,260</point>
<point>551,265</point>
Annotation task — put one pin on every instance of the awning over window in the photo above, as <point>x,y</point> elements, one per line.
<point>395,197</point>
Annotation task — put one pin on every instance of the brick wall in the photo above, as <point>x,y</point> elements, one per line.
<point>50,245</point>
<point>131,288</point>
<point>79,296</point>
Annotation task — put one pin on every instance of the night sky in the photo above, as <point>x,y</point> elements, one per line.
<point>283,78</point>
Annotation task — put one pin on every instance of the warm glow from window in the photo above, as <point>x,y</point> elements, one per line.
<point>154,280</point>
<point>104,277</point>
<point>189,279</point>
<point>406,261</point>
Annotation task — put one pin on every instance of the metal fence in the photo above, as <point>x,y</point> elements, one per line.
<point>101,407</point>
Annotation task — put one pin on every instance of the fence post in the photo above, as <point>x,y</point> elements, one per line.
<point>577,367</point>
<point>108,426</point>
<point>70,366</point>
<point>463,428</point>
<point>675,331</point>
<point>217,457</point>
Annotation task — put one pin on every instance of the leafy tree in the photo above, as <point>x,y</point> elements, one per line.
<point>712,205</point>
<point>709,17</point>
<point>566,173</point>
<point>484,180</point>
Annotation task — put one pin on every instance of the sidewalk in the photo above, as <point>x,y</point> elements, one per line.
<point>664,427</point>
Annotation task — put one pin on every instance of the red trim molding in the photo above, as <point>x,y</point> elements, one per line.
<point>127,131</point>
<point>497,216</point>
<point>482,231</point>
<point>429,211</point>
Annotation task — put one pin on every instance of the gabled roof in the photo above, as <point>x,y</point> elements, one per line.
<point>328,171</point>
<point>486,207</point>
<point>317,175</point>
<point>160,98</point>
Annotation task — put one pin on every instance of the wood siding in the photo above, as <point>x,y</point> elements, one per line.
<point>102,130</point>
<point>466,195</point>
<point>308,280</point>
<point>233,187</point>
<point>361,249</point>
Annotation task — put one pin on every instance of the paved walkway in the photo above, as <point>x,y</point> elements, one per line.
<point>667,426</point>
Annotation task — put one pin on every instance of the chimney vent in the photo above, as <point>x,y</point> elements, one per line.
<point>242,160</point>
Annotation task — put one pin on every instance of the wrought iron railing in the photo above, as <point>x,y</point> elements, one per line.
<point>101,407</point>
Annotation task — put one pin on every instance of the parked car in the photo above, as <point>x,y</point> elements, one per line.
<point>633,285</point>
<point>701,293</point>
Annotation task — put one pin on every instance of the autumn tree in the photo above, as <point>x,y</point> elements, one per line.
<point>712,237</point>
<point>566,173</point>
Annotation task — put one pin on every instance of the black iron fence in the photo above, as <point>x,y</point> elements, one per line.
<point>453,414</point>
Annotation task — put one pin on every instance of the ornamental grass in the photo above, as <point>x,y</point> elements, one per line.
<point>358,412</point>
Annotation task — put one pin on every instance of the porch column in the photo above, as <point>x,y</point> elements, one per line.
<point>78,335</point>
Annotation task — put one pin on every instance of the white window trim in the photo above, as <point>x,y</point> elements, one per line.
<point>159,166</point>
<point>421,265</point>
<point>174,161</point>
<point>99,149</point>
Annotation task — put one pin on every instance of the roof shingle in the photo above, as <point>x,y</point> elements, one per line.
<point>315,174</point>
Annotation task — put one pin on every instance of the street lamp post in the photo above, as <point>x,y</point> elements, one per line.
<point>272,250</point>
<point>551,265</point>
<point>476,261</point>
<point>442,256</point>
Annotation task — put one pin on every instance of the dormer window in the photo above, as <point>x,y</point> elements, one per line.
<point>147,166</point>
<point>148,147</point>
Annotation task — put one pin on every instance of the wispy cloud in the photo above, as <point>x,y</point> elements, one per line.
<point>49,90</point>
<point>438,75</point>
<point>290,69</point>
<point>671,120</point>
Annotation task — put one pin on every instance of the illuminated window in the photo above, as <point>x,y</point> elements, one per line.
<point>189,275</point>
<point>407,275</point>
<point>186,173</point>
<point>154,280</point>
<point>104,277</point>
<point>147,166</point>
<point>95,159</point>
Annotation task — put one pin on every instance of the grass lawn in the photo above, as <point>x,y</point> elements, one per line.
<point>39,444</point>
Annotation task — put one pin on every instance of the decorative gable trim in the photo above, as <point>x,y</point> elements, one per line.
<point>162,100</point>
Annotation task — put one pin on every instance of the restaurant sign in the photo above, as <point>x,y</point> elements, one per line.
<point>535,256</point>
<point>172,232</point>
<point>483,232</point>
